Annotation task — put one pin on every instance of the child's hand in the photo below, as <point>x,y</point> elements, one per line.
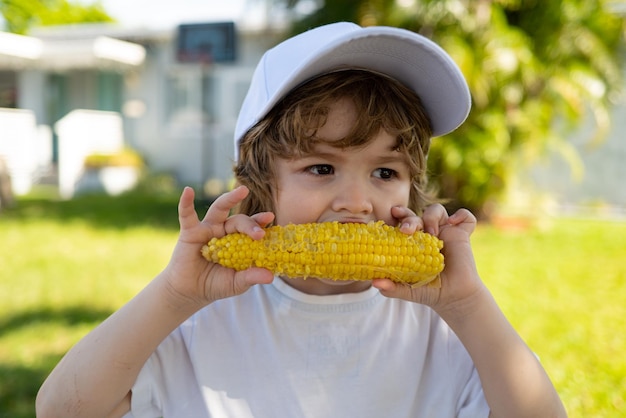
<point>459,279</point>
<point>191,278</point>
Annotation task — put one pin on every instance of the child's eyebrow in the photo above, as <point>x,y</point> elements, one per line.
<point>392,157</point>
<point>315,154</point>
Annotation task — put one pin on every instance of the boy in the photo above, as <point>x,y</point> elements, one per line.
<point>336,127</point>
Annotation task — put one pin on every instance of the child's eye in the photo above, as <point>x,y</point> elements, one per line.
<point>321,169</point>
<point>385,173</point>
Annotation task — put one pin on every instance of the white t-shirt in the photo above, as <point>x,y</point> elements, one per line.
<point>277,352</point>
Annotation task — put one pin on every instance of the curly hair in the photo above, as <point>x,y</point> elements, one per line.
<point>289,130</point>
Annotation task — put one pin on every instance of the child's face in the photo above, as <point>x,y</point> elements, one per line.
<point>345,185</point>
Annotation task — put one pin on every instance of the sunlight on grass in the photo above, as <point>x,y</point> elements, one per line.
<point>562,288</point>
<point>74,264</point>
<point>66,267</point>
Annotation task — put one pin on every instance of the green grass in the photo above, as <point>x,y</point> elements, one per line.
<point>65,266</point>
<point>563,289</point>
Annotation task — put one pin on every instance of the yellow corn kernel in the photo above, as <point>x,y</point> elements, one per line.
<point>335,251</point>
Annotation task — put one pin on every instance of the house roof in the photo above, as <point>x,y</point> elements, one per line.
<point>100,52</point>
<point>58,53</point>
<point>17,51</point>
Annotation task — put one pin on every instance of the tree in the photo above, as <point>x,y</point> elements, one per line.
<point>21,15</point>
<point>535,69</point>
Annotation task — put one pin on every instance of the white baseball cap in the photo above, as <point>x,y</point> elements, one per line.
<point>412,59</point>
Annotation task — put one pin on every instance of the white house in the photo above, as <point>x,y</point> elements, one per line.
<point>177,92</point>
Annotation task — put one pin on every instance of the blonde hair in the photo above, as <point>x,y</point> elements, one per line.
<point>290,128</point>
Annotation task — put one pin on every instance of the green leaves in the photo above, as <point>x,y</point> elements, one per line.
<point>21,15</point>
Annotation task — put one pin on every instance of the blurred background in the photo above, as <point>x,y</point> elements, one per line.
<point>108,108</point>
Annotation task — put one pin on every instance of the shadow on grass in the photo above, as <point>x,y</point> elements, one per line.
<point>70,316</point>
<point>19,383</point>
<point>121,212</point>
<point>18,390</point>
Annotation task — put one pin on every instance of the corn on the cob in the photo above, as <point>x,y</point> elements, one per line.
<point>335,251</point>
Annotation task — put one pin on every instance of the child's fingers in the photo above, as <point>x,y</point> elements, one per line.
<point>187,216</point>
<point>384,285</point>
<point>390,289</point>
<point>249,225</point>
<point>461,216</point>
<point>408,221</point>
<point>253,276</point>
<point>263,218</point>
<point>220,209</point>
<point>433,217</point>
<point>464,219</point>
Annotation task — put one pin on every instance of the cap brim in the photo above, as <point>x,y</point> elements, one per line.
<point>413,60</point>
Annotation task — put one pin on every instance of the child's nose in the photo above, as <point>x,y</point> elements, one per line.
<point>354,197</point>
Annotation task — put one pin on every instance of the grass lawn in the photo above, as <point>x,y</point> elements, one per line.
<point>562,287</point>
<point>65,266</point>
